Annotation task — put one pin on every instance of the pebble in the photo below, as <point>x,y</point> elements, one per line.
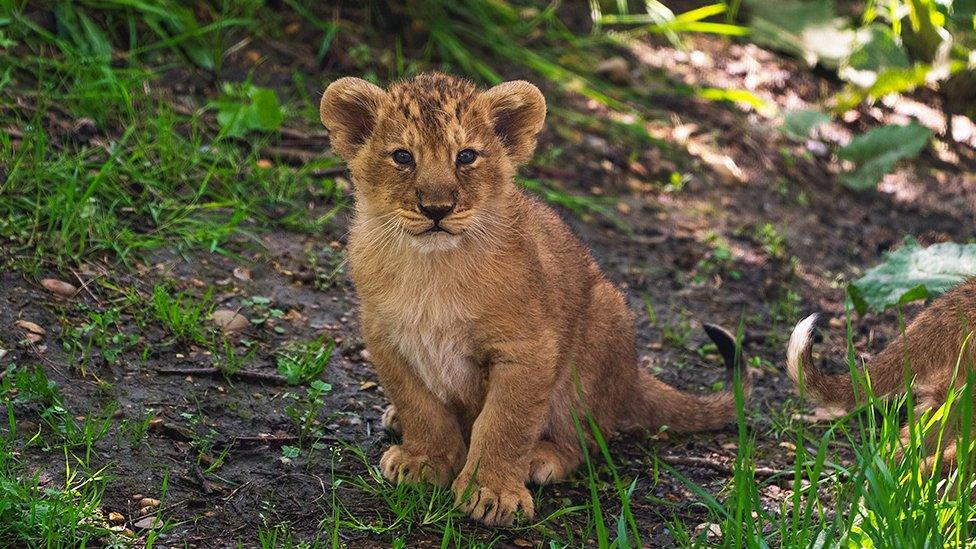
<point>616,69</point>
<point>58,287</point>
<point>149,502</point>
<point>116,517</point>
<point>229,321</point>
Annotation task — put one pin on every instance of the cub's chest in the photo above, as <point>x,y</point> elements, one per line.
<point>435,339</point>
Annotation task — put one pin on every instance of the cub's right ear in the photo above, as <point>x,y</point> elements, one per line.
<point>349,109</point>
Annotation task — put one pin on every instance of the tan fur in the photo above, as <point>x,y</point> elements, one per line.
<point>925,357</point>
<point>480,333</point>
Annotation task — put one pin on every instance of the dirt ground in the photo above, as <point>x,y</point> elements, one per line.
<point>822,236</point>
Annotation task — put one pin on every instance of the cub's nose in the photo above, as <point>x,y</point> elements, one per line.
<point>436,212</point>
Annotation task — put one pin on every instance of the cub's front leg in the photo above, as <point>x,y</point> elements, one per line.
<point>432,448</point>
<point>491,486</point>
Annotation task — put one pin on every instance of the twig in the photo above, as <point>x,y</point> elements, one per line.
<point>244,374</point>
<point>719,466</point>
<point>300,156</point>
<point>198,473</point>
<point>271,439</point>
<point>334,170</point>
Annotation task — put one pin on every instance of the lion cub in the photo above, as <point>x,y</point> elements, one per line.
<point>925,355</point>
<point>487,320</point>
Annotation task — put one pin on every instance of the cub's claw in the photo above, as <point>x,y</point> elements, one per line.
<point>400,466</point>
<point>495,506</point>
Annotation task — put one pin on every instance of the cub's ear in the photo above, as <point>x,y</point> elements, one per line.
<point>517,110</point>
<point>349,109</point>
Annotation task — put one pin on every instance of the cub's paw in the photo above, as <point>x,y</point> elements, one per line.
<point>399,466</point>
<point>492,505</point>
<point>390,421</point>
<point>547,464</point>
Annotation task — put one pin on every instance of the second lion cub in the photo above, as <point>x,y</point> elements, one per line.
<point>487,320</point>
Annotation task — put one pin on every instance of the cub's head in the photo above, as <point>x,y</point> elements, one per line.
<point>433,158</point>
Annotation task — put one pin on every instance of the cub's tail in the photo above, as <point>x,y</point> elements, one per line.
<point>837,390</point>
<point>659,404</point>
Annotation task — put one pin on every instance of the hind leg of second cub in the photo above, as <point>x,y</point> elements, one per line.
<point>432,449</point>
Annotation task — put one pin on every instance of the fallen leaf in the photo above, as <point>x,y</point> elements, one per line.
<point>519,542</point>
<point>30,327</point>
<point>148,523</point>
<point>242,273</point>
<point>58,287</point>
<point>116,517</point>
<point>367,385</point>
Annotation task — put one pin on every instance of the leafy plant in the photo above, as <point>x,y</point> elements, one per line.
<point>304,411</point>
<point>912,273</point>
<point>182,315</point>
<point>304,362</point>
<point>248,108</point>
<point>877,151</point>
<point>799,123</point>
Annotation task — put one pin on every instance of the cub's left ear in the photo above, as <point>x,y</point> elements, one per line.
<point>349,110</point>
<point>517,111</point>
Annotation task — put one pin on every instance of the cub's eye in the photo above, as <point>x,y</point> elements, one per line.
<point>466,156</point>
<point>401,156</point>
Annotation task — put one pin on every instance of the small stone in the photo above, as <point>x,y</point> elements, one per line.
<point>30,327</point>
<point>229,321</point>
<point>367,385</point>
<point>116,517</point>
<point>137,497</point>
<point>615,69</point>
<point>3,353</point>
<point>242,273</point>
<point>58,287</point>
<point>264,163</point>
<point>364,354</point>
<point>713,530</point>
<point>149,502</point>
<point>148,523</point>
<point>519,542</point>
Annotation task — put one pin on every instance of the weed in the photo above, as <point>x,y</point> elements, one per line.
<point>304,411</point>
<point>304,362</point>
<point>182,315</point>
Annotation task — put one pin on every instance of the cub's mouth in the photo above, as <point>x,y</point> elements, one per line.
<point>437,229</point>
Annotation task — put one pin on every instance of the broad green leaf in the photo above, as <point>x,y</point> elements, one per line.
<point>912,273</point>
<point>799,123</point>
<point>266,110</point>
<point>256,109</point>
<point>877,151</point>
<point>876,50</point>
<point>810,30</point>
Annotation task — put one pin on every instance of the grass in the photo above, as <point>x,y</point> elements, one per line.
<point>107,163</point>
